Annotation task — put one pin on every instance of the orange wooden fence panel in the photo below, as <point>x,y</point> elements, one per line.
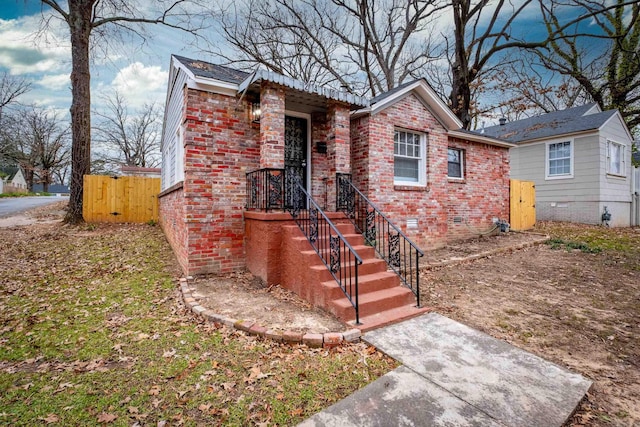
<point>523,205</point>
<point>120,199</point>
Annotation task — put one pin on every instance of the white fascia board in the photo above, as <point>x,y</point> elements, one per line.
<point>442,112</point>
<point>622,123</point>
<point>212,85</point>
<point>559,137</point>
<point>205,84</point>
<point>481,139</point>
<point>361,112</point>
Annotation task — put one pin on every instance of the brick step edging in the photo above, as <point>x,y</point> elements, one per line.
<point>325,340</point>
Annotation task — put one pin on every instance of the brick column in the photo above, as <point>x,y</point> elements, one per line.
<point>271,125</point>
<point>338,147</point>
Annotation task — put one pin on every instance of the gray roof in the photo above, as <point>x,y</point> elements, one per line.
<point>213,71</point>
<point>636,156</point>
<point>552,124</point>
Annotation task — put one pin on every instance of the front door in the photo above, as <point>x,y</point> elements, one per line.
<point>295,153</point>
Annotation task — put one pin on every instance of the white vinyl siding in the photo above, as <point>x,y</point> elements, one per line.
<point>409,150</point>
<point>616,158</point>
<point>172,144</point>
<point>559,159</point>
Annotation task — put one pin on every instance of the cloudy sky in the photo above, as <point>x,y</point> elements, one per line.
<point>137,70</point>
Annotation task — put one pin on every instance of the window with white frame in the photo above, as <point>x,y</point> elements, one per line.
<point>560,159</point>
<point>409,150</point>
<point>615,158</point>
<point>172,167</point>
<point>455,163</point>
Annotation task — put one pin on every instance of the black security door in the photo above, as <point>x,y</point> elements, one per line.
<point>295,153</point>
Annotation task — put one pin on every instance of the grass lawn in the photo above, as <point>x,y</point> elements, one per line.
<point>94,332</point>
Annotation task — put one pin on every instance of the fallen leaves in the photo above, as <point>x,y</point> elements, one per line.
<point>51,419</point>
<point>105,418</point>
<point>110,329</point>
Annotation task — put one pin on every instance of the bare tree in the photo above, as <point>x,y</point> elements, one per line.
<point>525,88</point>
<point>481,32</point>
<point>604,59</point>
<point>129,139</point>
<point>365,46</point>
<point>11,88</point>
<point>40,144</point>
<point>102,18</point>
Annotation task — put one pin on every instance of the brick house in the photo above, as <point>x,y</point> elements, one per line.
<point>237,146</point>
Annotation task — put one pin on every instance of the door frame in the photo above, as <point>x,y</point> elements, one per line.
<point>307,117</point>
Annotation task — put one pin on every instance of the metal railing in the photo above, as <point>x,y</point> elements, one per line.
<point>271,188</point>
<point>336,253</point>
<point>391,244</point>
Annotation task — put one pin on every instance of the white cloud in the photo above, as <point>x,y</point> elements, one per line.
<point>25,49</point>
<point>141,84</point>
<point>55,81</point>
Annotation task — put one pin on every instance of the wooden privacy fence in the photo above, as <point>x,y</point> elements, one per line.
<point>523,205</point>
<point>120,198</point>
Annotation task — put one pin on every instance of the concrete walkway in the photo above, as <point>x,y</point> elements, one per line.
<point>456,376</point>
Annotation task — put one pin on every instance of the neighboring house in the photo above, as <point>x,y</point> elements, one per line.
<point>139,171</point>
<point>404,149</point>
<point>57,189</point>
<point>15,181</point>
<point>579,160</point>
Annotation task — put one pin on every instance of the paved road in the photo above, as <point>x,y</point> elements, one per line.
<point>14,205</point>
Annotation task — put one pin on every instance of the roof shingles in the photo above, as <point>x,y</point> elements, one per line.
<point>556,123</point>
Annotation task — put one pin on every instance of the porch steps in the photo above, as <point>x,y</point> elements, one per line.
<point>382,299</point>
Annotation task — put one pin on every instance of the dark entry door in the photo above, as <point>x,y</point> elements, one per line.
<point>295,152</point>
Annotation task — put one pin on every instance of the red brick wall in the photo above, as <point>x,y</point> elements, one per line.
<point>172,222</point>
<point>319,163</point>
<point>360,153</point>
<point>220,146</point>
<point>272,125</point>
<point>482,196</point>
<point>338,147</point>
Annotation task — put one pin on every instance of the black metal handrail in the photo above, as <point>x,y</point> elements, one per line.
<point>391,244</point>
<point>270,188</point>
<point>336,253</point>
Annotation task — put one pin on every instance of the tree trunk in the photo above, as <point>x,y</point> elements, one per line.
<point>80,29</point>
<point>460,90</point>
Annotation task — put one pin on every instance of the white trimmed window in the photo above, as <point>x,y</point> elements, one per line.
<point>455,163</point>
<point>615,159</point>
<point>559,160</point>
<point>409,151</point>
<point>172,166</point>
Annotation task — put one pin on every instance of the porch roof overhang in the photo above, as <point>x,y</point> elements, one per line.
<point>301,93</point>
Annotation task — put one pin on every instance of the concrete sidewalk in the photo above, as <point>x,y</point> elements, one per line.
<point>456,376</point>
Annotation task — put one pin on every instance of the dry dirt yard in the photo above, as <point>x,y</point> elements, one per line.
<point>574,301</point>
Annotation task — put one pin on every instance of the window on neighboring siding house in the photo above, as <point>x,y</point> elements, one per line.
<point>455,162</point>
<point>615,158</point>
<point>559,159</point>
<point>409,151</point>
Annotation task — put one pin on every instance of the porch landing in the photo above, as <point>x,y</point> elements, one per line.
<point>455,375</point>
